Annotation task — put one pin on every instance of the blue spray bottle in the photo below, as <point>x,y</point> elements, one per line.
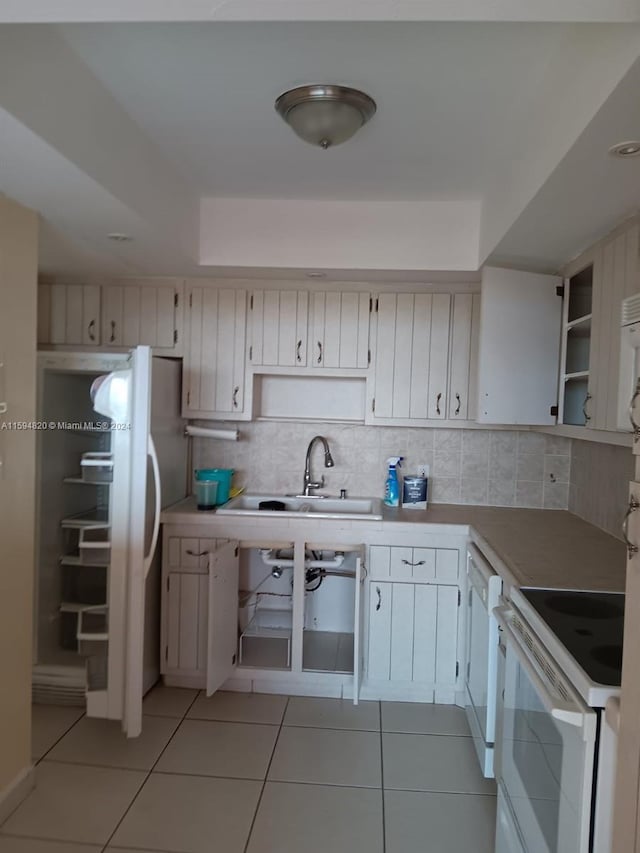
<point>392,489</point>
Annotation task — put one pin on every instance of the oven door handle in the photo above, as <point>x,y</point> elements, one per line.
<point>564,712</point>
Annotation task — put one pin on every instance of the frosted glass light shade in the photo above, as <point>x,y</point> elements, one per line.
<point>325,115</point>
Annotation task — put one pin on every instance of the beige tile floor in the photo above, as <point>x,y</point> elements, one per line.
<point>250,773</point>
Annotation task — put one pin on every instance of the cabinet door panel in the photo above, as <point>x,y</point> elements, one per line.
<point>385,355</point>
<point>193,367</point>
<point>425,628</point>
<point>188,636</point>
<point>402,609</point>
<point>460,356</point>
<point>331,355</point>
<point>420,349</point>
<point>439,355</point>
<point>447,634</point>
<point>74,327</point>
<point>90,314</point>
<point>173,622</point>
<point>288,328</point>
<point>148,315</point>
<point>58,314</point>
<point>165,317</point>
<point>215,356</point>
<point>316,351</point>
<point>402,367</point>
<point>379,659</point>
<point>131,316</point>
<point>112,325</point>
<point>222,626</point>
<point>519,351</point>
<point>271,322</point>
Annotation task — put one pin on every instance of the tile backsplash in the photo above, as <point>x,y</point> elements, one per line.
<point>474,466</point>
<point>600,484</point>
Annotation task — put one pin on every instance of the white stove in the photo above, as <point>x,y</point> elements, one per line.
<point>559,665</point>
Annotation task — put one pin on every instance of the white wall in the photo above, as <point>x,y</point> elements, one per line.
<point>18,278</point>
<point>428,236</point>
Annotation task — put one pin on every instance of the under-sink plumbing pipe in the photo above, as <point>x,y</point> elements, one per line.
<point>274,561</point>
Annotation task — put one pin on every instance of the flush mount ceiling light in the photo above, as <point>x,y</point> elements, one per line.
<point>119,237</point>
<point>625,149</point>
<point>325,115</point>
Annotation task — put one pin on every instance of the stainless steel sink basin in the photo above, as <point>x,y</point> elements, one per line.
<point>360,509</point>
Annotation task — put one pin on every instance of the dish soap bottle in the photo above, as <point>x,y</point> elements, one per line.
<point>392,489</point>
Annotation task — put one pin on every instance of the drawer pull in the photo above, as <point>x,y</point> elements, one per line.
<point>319,361</point>
<point>298,356</point>
<point>112,339</point>
<point>196,553</point>
<point>438,398</point>
<point>408,563</point>
<point>457,411</point>
<point>91,330</point>
<point>235,396</point>
<point>379,593</point>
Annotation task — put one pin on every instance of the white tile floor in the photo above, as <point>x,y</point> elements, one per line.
<point>250,773</point>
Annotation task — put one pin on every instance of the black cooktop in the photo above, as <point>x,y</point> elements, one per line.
<point>590,625</point>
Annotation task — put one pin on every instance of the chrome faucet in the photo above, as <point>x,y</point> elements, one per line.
<point>307,483</point>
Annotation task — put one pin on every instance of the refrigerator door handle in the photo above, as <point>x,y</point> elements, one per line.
<point>158,506</point>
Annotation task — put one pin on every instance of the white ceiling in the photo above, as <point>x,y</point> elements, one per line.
<point>126,127</point>
<point>451,101</point>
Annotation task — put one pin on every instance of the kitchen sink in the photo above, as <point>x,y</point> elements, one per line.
<point>319,506</point>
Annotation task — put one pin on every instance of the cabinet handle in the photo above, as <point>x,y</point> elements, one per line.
<point>319,352</point>
<point>632,549</point>
<point>196,553</point>
<point>587,417</point>
<point>457,412</point>
<point>298,356</point>
<point>113,332</point>
<point>408,563</point>
<point>379,593</point>
<point>90,330</point>
<point>438,398</point>
<point>235,396</point>
<point>634,424</point>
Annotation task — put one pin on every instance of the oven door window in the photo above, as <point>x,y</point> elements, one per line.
<point>546,761</point>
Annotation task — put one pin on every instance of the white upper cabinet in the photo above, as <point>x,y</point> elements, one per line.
<point>464,353</point>
<point>213,377</point>
<point>519,347</point>
<point>595,285</point>
<point>340,330</point>
<point>412,356</point>
<point>278,328</point>
<point>143,313</point>
<point>69,314</point>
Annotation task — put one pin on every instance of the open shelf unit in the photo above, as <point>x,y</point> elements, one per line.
<point>576,348</point>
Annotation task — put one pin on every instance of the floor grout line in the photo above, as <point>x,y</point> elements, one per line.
<point>148,775</point>
<point>266,776</point>
<point>64,734</point>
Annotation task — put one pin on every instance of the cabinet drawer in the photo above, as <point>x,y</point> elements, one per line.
<point>424,565</point>
<point>188,554</point>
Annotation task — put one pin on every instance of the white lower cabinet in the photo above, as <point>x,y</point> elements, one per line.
<point>386,626</point>
<point>414,625</point>
<point>200,593</point>
<point>413,635</point>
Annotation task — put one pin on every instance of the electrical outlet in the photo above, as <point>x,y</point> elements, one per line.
<point>422,469</point>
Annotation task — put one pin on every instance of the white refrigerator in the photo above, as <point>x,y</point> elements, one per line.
<point>112,453</point>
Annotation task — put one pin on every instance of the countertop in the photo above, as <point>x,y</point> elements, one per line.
<point>529,547</point>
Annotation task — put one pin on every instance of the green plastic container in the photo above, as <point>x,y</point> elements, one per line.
<point>223,477</point>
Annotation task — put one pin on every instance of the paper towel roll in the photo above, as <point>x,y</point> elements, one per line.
<point>205,432</point>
